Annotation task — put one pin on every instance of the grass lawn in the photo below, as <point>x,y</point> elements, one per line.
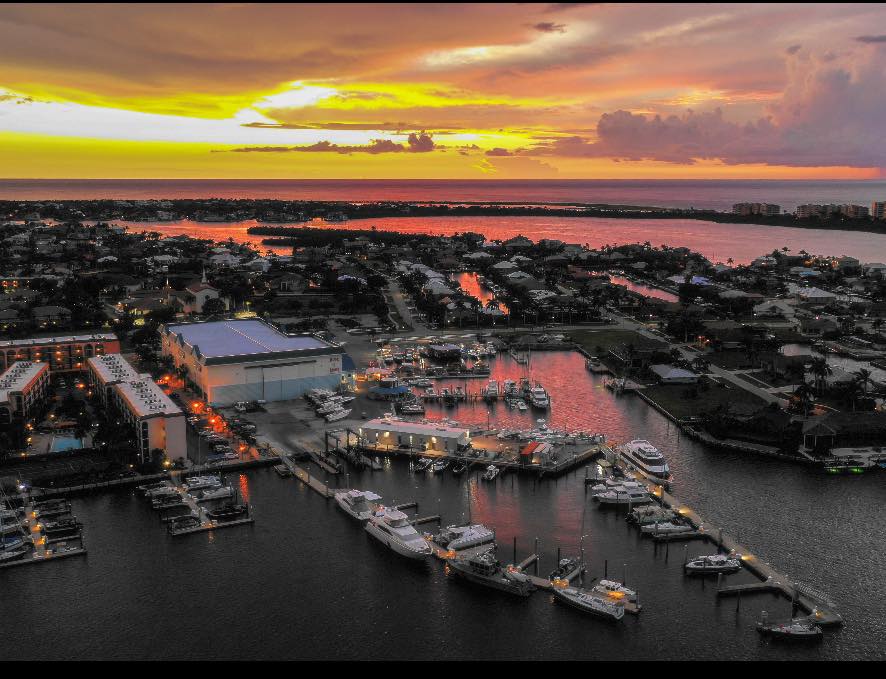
<point>589,340</point>
<point>675,400</point>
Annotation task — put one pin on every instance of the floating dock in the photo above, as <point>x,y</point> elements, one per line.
<point>206,524</point>
<point>771,580</point>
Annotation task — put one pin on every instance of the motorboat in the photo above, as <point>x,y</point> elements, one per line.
<point>179,523</point>
<point>665,528</point>
<point>565,567</point>
<point>491,472</point>
<point>208,494</point>
<point>61,528</point>
<point>358,504</point>
<point>392,528</point>
<point>423,464</point>
<point>521,406</point>
<point>456,538</point>
<point>588,602</point>
<point>439,465</point>
<point>796,629</point>
<point>460,467</point>
<point>491,391</point>
<point>538,397</point>
<point>202,482</point>
<point>615,590</point>
<point>338,415</point>
<point>647,458</point>
<point>167,501</point>
<point>643,516</point>
<point>713,564</point>
<point>625,493</point>
<point>229,512</point>
<point>485,569</point>
<point>9,554</point>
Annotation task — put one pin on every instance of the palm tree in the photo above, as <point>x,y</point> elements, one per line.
<point>820,369</point>
<point>863,379</point>
<point>804,394</point>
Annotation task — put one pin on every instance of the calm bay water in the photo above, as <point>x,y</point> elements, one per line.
<point>718,242</point>
<point>305,582</point>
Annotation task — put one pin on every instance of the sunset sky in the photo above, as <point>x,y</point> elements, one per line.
<point>584,90</point>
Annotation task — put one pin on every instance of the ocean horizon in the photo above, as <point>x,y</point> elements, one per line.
<point>711,194</point>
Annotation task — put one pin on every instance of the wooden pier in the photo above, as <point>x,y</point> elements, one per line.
<point>771,580</point>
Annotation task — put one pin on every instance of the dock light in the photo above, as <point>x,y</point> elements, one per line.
<point>746,557</point>
<point>682,511</point>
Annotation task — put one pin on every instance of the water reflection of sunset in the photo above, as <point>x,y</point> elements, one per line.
<point>470,283</point>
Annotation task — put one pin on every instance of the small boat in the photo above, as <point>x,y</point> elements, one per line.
<point>564,568</point>
<point>229,512</point>
<point>182,522</point>
<point>392,528</point>
<point>338,415</point>
<point>538,397</point>
<point>154,488</point>
<point>665,528</point>
<point>589,603</point>
<point>491,391</point>
<point>13,554</point>
<point>796,629</point>
<point>455,538</point>
<point>643,516</point>
<point>358,504</point>
<point>213,494</point>
<point>423,464</point>
<point>490,473</point>
<point>460,467</point>
<point>615,590</point>
<point>485,569</point>
<point>439,466</point>
<point>521,406</point>
<point>167,501</point>
<point>62,527</point>
<point>201,482</point>
<point>713,564</point>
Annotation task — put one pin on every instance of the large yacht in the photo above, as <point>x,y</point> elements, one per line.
<point>538,397</point>
<point>485,569</point>
<point>589,603</point>
<point>626,493</point>
<point>455,538</point>
<point>358,504</point>
<point>391,527</point>
<point>648,458</point>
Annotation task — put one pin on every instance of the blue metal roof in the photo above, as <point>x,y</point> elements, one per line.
<point>242,337</point>
<point>389,390</point>
<point>347,364</point>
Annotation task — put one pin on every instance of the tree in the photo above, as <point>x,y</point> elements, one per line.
<point>820,370</point>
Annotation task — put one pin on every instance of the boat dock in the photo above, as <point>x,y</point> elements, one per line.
<point>41,550</point>
<point>771,580</point>
<point>206,524</point>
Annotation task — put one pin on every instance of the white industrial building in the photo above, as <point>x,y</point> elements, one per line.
<point>250,360</point>
<point>392,433</point>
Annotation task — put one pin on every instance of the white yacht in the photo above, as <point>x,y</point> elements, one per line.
<point>357,503</point>
<point>491,472</point>
<point>338,415</point>
<point>538,397</point>
<point>589,603</point>
<point>665,528</point>
<point>455,538</point>
<point>201,482</point>
<point>615,590</point>
<point>217,493</point>
<point>647,457</point>
<point>491,392</point>
<point>391,527</point>
<point>716,563</point>
<point>625,493</point>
